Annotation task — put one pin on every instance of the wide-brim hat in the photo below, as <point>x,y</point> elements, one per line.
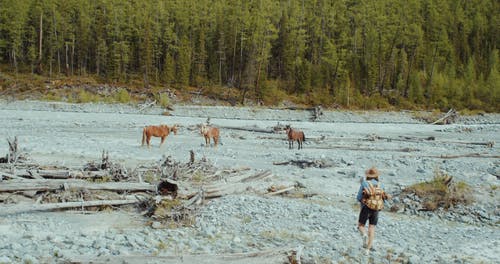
<point>372,173</point>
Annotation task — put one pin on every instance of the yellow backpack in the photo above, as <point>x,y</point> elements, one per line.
<point>373,197</point>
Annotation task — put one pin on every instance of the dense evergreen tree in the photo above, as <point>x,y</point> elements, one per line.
<point>433,53</point>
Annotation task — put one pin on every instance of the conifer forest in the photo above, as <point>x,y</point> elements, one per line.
<point>434,54</point>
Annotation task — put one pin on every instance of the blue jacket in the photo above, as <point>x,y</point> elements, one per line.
<point>364,184</point>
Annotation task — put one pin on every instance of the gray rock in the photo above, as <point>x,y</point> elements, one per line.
<point>5,259</point>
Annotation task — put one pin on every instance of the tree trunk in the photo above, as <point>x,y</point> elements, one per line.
<point>39,69</point>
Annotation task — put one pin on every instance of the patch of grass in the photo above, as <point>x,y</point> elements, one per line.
<point>246,220</point>
<point>427,117</point>
<point>162,245</point>
<point>467,112</point>
<point>52,96</point>
<point>441,192</point>
<point>86,97</point>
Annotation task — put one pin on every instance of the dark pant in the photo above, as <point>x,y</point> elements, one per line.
<point>368,214</point>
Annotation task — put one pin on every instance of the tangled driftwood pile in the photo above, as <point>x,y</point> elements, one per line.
<point>166,190</point>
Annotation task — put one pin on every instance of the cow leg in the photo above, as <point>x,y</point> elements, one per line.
<point>148,139</point>
<point>162,140</point>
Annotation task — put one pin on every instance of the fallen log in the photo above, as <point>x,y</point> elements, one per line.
<point>489,144</point>
<point>258,176</point>
<point>366,149</point>
<point>448,118</point>
<point>281,191</point>
<point>12,176</point>
<point>250,129</point>
<point>265,256</point>
<point>306,163</point>
<point>46,185</point>
<point>60,174</point>
<point>23,208</point>
<point>468,155</point>
<point>146,105</point>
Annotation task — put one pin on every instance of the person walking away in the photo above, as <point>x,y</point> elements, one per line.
<point>372,196</point>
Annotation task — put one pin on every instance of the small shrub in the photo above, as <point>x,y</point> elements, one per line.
<point>122,96</point>
<point>441,192</point>
<point>51,96</point>
<point>85,97</point>
<point>164,100</point>
<point>467,112</point>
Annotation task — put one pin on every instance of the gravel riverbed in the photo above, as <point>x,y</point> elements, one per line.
<point>323,225</point>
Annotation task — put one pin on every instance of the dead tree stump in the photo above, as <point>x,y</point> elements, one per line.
<point>13,154</point>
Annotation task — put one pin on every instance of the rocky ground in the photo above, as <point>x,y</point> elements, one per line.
<point>323,223</point>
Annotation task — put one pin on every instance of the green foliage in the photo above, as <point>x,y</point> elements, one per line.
<point>441,192</point>
<point>164,100</point>
<point>86,97</point>
<point>122,96</point>
<point>271,93</point>
<point>415,54</point>
<point>52,97</point>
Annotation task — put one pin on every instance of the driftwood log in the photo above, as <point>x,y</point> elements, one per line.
<point>26,208</point>
<point>467,155</point>
<point>489,144</point>
<point>306,163</point>
<point>57,174</point>
<point>46,185</point>
<point>281,255</point>
<point>251,129</point>
<point>367,148</point>
<point>284,190</point>
<point>448,118</point>
<point>237,184</point>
